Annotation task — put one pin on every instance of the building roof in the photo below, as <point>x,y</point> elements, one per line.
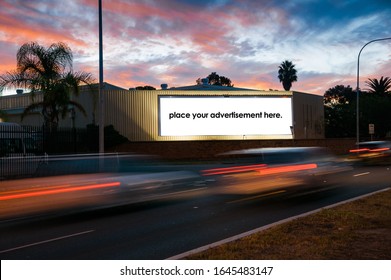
<point>209,87</point>
<point>20,92</point>
<point>106,86</point>
<point>204,85</point>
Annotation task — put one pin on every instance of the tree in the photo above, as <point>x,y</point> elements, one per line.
<point>216,80</point>
<point>375,109</point>
<point>340,120</point>
<point>287,74</point>
<point>145,88</point>
<point>224,81</point>
<point>338,95</point>
<point>47,70</point>
<point>379,87</point>
<point>340,113</point>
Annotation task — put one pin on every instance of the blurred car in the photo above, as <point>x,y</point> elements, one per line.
<point>372,152</point>
<point>67,194</point>
<point>252,171</point>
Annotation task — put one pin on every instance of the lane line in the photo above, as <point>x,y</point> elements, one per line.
<point>185,191</point>
<point>361,174</point>
<point>46,241</point>
<point>244,234</point>
<point>255,197</point>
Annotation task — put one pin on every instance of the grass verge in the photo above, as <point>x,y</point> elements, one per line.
<point>358,230</point>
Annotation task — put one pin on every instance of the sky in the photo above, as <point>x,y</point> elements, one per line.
<point>154,42</point>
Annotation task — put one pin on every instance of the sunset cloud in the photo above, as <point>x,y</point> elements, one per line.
<point>170,41</point>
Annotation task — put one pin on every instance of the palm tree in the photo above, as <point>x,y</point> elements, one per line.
<point>379,87</point>
<point>287,74</point>
<point>47,70</point>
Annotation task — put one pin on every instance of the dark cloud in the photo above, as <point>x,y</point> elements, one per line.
<point>174,41</point>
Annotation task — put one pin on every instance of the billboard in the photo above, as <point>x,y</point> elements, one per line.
<point>222,115</point>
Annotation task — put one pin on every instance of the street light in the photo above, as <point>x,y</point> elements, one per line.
<point>358,88</point>
<point>101,86</point>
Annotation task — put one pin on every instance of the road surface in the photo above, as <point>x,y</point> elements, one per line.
<point>164,228</point>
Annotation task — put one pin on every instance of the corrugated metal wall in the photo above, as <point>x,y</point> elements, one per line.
<point>135,113</point>
<point>19,101</point>
<point>308,116</point>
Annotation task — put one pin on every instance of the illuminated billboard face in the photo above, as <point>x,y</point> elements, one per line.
<point>254,115</point>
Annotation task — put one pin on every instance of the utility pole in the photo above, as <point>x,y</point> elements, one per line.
<point>101,87</point>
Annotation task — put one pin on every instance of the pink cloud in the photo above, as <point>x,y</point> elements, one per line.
<point>187,39</point>
<point>18,29</point>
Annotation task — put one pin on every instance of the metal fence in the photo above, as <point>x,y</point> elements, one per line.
<point>24,148</point>
<point>39,140</point>
<point>27,151</point>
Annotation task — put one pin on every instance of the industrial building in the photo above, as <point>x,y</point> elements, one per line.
<point>200,112</point>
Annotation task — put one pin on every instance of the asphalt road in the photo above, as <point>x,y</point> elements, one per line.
<point>161,229</point>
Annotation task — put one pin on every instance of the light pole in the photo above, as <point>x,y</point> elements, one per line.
<point>101,87</point>
<point>358,88</point>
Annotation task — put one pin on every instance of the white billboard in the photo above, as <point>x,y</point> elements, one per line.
<point>233,115</point>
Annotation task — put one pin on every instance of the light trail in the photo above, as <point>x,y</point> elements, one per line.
<point>233,169</point>
<point>58,190</point>
<point>287,168</point>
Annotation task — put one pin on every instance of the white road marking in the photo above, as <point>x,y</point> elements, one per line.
<point>256,196</point>
<point>46,241</point>
<point>361,174</point>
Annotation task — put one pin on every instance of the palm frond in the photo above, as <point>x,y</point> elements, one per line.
<point>380,87</point>
<point>48,70</point>
<point>65,109</point>
<point>74,80</point>
<point>31,108</point>
<point>14,79</point>
<point>60,56</point>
